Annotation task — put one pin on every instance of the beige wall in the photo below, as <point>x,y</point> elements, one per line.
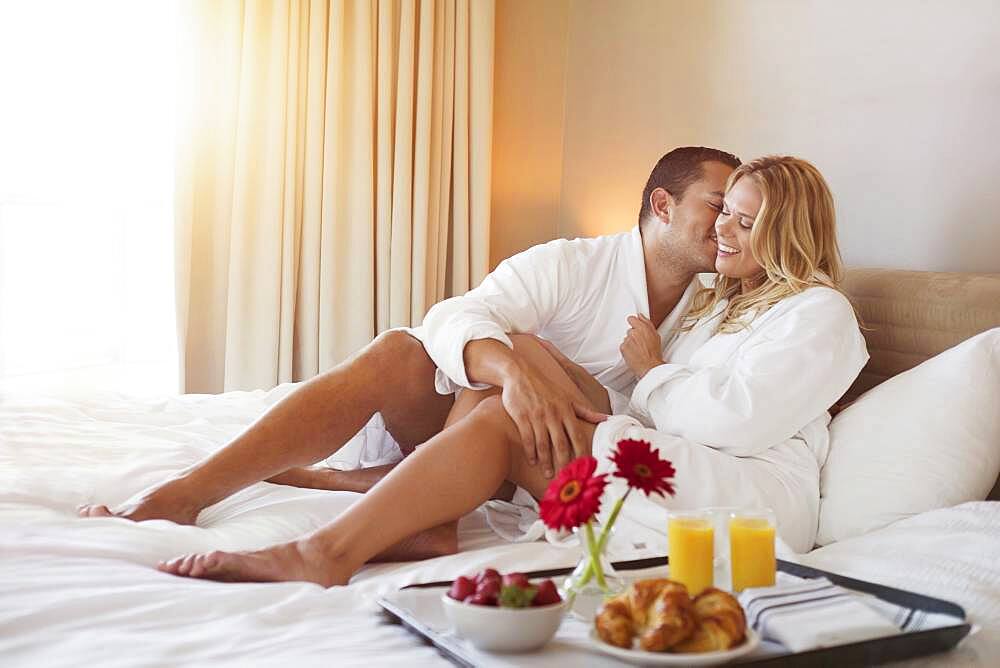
<point>529,86</point>
<point>897,102</point>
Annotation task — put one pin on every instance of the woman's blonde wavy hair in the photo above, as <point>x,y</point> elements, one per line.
<point>793,238</point>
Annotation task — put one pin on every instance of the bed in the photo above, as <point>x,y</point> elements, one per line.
<point>83,592</point>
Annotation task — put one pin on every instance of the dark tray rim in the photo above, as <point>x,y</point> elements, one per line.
<point>868,652</point>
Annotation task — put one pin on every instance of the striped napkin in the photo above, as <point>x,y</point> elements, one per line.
<point>803,614</point>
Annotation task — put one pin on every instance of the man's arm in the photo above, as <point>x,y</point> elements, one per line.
<point>522,295</point>
<point>546,417</point>
<point>468,338</point>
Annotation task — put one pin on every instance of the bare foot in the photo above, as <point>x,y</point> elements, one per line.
<point>303,560</point>
<point>296,561</point>
<point>167,502</point>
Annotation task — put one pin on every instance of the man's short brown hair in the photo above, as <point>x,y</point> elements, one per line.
<point>677,170</point>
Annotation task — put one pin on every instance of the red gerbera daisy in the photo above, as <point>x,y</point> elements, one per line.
<point>574,496</point>
<point>642,467</point>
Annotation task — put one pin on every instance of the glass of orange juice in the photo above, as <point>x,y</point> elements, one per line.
<point>720,518</point>
<point>691,537</point>
<point>751,548</point>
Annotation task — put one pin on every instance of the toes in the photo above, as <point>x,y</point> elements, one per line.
<point>187,564</point>
<point>202,565</point>
<point>178,565</point>
<point>94,511</point>
<point>197,567</point>
<point>213,564</point>
<point>194,565</point>
<point>171,565</point>
<point>213,559</point>
<point>263,566</point>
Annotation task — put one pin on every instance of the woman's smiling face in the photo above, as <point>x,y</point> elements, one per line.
<point>732,230</point>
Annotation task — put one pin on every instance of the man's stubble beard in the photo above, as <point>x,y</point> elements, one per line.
<point>684,259</point>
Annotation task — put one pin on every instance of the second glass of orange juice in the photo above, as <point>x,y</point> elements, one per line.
<point>751,548</point>
<point>691,538</point>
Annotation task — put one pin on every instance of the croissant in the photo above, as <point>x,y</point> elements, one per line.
<point>614,622</point>
<point>721,623</point>
<point>658,611</point>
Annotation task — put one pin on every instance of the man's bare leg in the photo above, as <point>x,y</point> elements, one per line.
<point>392,375</point>
<point>354,480</point>
<point>463,464</point>
<point>322,477</point>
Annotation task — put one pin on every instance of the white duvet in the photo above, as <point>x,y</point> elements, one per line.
<point>82,592</point>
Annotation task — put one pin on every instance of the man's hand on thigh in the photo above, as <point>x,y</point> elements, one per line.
<point>545,402</point>
<point>591,388</point>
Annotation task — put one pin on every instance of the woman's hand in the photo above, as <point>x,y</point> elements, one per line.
<point>642,348</point>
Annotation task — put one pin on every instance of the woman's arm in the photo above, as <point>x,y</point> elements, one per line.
<point>782,378</point>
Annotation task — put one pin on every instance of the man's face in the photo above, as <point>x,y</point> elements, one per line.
<point>692,220</point>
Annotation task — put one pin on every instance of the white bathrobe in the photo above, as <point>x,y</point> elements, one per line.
<point>743,416</point>
<point>575,293</point>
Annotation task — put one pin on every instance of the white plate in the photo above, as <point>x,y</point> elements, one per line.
<point>641,658</point>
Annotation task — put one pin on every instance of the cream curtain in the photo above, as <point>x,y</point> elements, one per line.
<point>333,178</point>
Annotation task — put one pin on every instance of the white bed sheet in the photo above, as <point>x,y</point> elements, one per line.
<point>76,592</point>
<point>952,553</point>
<point>83,592</point>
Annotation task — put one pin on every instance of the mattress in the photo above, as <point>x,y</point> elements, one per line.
<point>84,592</point>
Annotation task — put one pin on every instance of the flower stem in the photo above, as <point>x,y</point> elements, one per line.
<point>595,559</point>
<point>602,541</point>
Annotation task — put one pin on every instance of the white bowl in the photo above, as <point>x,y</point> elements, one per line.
<point>504,629</point>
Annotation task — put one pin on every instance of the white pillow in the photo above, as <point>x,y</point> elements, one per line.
<point>925,439</point>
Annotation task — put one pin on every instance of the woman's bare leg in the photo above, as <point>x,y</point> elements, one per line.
<point>434,542</point>
<point>463,465</point>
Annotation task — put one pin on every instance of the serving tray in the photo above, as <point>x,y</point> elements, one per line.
<point>417,607</point>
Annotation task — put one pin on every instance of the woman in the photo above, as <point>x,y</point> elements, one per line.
<point>742,402</point>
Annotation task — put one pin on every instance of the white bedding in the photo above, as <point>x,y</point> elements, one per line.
<point>82,592</point>
<point>950,553</point>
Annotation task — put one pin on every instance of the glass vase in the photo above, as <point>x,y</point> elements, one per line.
<point>594,579</point>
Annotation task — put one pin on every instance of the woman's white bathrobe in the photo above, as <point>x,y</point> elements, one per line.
<point>743,416</point>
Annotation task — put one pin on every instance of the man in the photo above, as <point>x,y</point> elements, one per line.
<point>583,296</point>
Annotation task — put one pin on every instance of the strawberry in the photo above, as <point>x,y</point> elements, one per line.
<point>516,580</point>
<point>547,594</point>
<point>462,588</point>
<point>488,574</point>
<point>488,590</point>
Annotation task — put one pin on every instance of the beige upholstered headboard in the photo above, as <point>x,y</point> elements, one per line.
<point>914,315</point>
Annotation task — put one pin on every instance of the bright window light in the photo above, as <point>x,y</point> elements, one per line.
<point>87,108</point>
